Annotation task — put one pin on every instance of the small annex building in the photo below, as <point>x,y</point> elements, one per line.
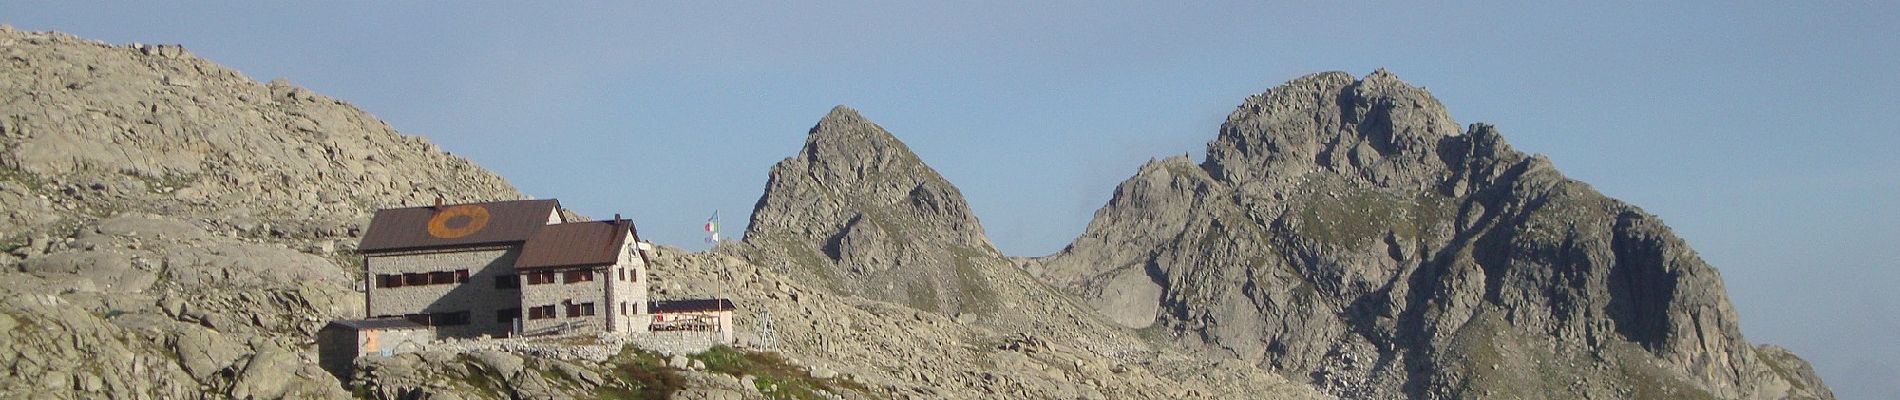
<point>697,315</point>
<point>340,342</point>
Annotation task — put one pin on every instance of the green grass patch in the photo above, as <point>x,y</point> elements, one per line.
<point>1155,334</point>
<point>11,242</point>
<point>922,296</point>
<point>774,376</point>
<point>31,181</point>
<point>1355,217</point>
<point>161,184</point>
<point>1775,364</point>
<point>974,296</point>
<point>810,260</point>
<point>484,385</point>
<point>646,375</point>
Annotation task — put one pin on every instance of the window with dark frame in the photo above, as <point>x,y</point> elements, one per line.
<point>457,318</point>
<point>541,312</point>
<point>429,278</point>
<point>573,310</point>
<point>510,281</point>
<point>577,276</point>
<point>587,309</point>
<point>541,277</point>
<point>507,315</point>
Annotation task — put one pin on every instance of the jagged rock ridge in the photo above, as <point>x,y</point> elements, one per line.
<point>856,216</point>
<point>858,208</point>
<point>1346,231</point>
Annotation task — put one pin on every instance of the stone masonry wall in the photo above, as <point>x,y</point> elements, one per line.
<point>559,293</point>
<point>681,342</point>
<point>632,291</point>
<point>478,295</point>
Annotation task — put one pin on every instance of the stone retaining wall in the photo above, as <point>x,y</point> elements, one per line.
<point>604,345</point>
<point>681,342</point>
<point>607,346</point>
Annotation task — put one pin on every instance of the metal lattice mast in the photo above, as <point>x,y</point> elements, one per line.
<point>768,337</point>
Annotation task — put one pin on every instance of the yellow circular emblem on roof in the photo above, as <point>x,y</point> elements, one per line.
<point>473,217</point>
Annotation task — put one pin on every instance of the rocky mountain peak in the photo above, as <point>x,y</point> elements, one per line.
<point>1379,128</point>
<point>842,115</point>
<point>856,205</point>
<point>1346,230</point>
<point>845,150</point>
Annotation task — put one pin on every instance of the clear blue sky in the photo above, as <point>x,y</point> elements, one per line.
<point>1764,134</point>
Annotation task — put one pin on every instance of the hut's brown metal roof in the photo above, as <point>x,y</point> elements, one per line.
<point>454,225</point>
<point>692,305</point>
<point>575,244</point>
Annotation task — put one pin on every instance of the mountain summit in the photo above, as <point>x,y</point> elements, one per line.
<point>859,209</point>
<point>1345,230</point>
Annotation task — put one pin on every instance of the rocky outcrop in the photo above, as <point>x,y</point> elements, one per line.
<point>1346,231</point>
<point>873,265</point>
<point>172,229</point>
<point>895,351</point>
<point>856,208</point>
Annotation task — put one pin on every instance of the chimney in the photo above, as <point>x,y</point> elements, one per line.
<point>616,217</point>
